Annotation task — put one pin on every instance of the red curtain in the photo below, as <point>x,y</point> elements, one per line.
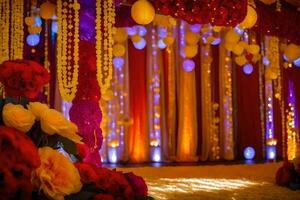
<point>137,89</point>
<point>248,121</point>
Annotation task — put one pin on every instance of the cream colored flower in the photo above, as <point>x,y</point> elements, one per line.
<point>18,117</point>
<point>37,109</point>
<point>56,176</point>
<point>53,122</point>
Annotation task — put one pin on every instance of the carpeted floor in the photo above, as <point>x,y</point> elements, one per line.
<point>241,181</point>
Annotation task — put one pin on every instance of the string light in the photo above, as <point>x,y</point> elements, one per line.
<point>16,27</point>
<point>68,48</point>
<point>4,33</point>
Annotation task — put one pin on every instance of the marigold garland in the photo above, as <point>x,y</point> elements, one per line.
<point>67,48</point>
<point>4,33</point>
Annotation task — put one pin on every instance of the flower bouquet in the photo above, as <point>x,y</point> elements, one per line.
<point>41,152</point>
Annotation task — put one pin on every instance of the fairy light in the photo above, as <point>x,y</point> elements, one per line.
<point>291,123</point>
<point>4,33</point>
<point>68,48</point>
<point>16,27</point>
<point>154,88</point>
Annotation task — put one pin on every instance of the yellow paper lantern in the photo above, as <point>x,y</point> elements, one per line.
<point>169,40</point>
<point>118,50</point>
<point>121,35</point>
<point>47,10</point>
<point>229,46</point>
<point>142,12</point>
<point>250,18</point>
<point>29,21</point>
<point>190,51</point>
<point>292,52</point>
<point>238,49</point>
<point>34,30</point>
<point>253,49</point>
<point>192,38</point>
<point>136,38</point>
<point>240,60</point>
<point>232,36</point>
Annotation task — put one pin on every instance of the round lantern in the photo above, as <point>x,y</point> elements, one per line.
<point>250,19</point>
<point>253,49</point>
<point>140,45</point>
<point>47,10</point>
<point>232,37</point>
<point>118,50</point>
<point>54,27</point>
<point>118,62</point>
<point>188,65</point>
<point>217,41</point>
<point>136,38</point>
<point>292,52</point>
<point>131,30</point>
<point>33,40</point>
<point>192,38</point>
<point>142,31</point>
<point>248,69</point>
<point>29,21</point>
<point>169,40</point>
<point>195,28</point>
<point>161,44</point>
<point>162,32</point>
<point>240,60</point>
<point>142,12</point>
<point>297,62</point>
<point>121,35</point>
<point>249,153</point>
<point>190,51</point>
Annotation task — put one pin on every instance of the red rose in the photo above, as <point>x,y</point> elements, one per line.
<point>23,77</point>
<point>104,197</point>
<point>88,173</point>
<point>138,184</point>
<point>18,158</point>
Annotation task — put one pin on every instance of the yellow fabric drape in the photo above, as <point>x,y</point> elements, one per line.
<point>226,115</point>
<point>187,115</point>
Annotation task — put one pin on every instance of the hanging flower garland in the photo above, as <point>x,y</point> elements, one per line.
<point>104,71</point>
<point>67,48</point>
<point>4,33</point>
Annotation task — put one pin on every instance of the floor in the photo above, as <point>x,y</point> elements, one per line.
<point>237,181</point>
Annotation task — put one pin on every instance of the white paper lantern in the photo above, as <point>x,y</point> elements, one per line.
<point>162,32</point>
<point>142,31</point>
<point>216,41</point>
<point>266,60</point>
<point>141,44</point>
<point>248,69</point>
<point>249,153</point>
<point>54,27</point>
<point>33,40</point>
<point>161,44</point>
<point>195,28</point>
<point>118,62</point>
<point>188,65</point>
<point>131,31</point>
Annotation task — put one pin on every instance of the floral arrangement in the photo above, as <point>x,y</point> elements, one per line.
<point>42,152</point>
<point>289,174</point>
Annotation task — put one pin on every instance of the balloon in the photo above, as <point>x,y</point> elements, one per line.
<point>253,49</point>
<point>118,50</point>
<point>47,10</point>
<point>232,37</point>
<point>142,12</point>
<point>136,38</point>
<point>169,40</point>
<point>238,49</point>
<point>141,44</point>
<point>250,19</point>
<point>248,69</point>
<point>240,60</point>
<point>188,65</point>
<point>33,40</point>
<point>121,35</point>
<point>292,52</point>
<point>190,51</point>
<point>192,38</point>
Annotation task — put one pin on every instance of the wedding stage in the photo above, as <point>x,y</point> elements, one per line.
<point>240,181</point>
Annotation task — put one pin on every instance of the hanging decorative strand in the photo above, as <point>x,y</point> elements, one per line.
<point>16,27</point>
<point>105,71</point>
<point>4,33</point>
<point>67,48</point>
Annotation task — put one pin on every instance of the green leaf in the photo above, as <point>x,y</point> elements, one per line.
<point>68,145</point>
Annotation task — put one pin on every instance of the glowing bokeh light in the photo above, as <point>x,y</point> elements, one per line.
<point>249,153</point>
